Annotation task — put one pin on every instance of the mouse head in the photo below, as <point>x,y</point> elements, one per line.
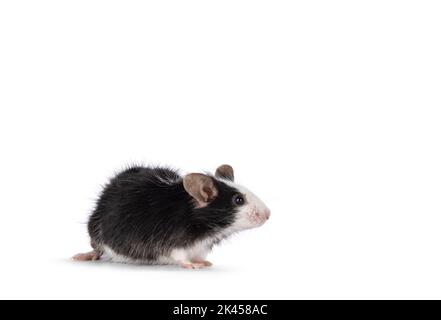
<point>229,201</point>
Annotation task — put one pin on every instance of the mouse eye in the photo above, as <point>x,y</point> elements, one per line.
<point>239,200</point>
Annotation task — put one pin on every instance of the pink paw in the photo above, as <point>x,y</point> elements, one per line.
<point>195,264</point>
<point>205,263</point>
<point>88,256</point>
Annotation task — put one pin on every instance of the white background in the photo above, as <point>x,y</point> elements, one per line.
<point>328,110</point>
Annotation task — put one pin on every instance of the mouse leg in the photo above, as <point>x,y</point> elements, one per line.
<point>199,257</point>
<point>187,260</point>
<point>92,255</point>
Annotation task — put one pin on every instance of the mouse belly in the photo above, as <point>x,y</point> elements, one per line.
<point>191,257</point>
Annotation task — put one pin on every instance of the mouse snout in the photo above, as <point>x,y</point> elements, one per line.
<point>265,214</point>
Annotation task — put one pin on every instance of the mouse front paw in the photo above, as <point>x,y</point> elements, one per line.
<point>205,263</point>
<point>195,264</point>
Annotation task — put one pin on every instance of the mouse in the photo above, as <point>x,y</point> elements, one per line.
<point>155,215</point>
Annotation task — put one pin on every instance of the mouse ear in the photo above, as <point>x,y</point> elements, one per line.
<point>225,171</point>
<point>201,187</point>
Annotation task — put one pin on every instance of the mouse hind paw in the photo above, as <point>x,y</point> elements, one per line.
<point>88,256</point>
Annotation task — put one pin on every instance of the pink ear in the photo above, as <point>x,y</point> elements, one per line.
<point>201,187</point>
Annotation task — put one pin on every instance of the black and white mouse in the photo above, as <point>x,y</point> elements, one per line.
<point>153,215</point>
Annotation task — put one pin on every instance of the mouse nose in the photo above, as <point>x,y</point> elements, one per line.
<point>267,214</point>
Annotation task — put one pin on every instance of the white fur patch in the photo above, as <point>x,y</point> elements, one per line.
<point>109,254</point>
<point>252,214</point>
<point>198,251</point>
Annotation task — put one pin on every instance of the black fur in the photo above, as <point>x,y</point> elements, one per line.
<point>145,212</point>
